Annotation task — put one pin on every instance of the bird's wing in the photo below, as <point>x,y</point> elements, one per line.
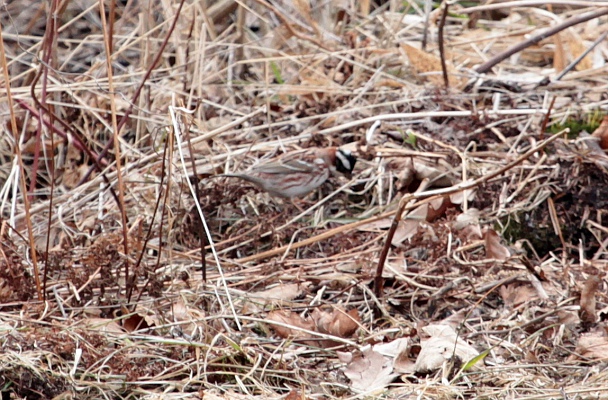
<point>284,167</point>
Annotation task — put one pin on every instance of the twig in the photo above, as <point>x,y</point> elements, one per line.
<point>428,5</point>
<point>488,65</point>
<point>118,156</point>
<point>195,183</point>
<point>22,183</point>
<point>167,155</point>
<point>444,69</point>
<point>532,3</point>
<point>543,126</point>
<point>49,38</point>
<point>580,57</point>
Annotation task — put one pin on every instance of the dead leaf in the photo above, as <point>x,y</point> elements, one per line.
<point>567,318</point>
<point>594,346</point>
<point>102,325</point>
<point>458,197</point>
<point>455,320</point>
<point>408,226</point>
<point>337,322</point>
<point>467,224</point>
<point>602,133</point>
<point>392,349</point>
<point>295,395</point>
<point>345,356</point>
<point>577,47</point>
<point>404,364</point>
<point>443,344</point>
<point>293,319</point>
<point>559,57</point>
<point>428,66</point>
<point>587,312</point>
<point>370,371</point>
<point>280,292</point>
<point>190,318</point>
<point>437,208</point>
<point>374,226</point>
<point>513,295</point>
<point>436,176</point>
<point>470,217</point>
<point>494,249</point>
<point>180,311</point>
<point>136,322</point>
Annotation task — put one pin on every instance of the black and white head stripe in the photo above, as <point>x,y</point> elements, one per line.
<point>345,161</point>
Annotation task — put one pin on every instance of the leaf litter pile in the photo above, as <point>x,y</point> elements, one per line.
<point>464,258</point>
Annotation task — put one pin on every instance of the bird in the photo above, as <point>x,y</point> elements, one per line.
<point>298,173</point>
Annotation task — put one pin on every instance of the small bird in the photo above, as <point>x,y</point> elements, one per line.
<point>299,173</point>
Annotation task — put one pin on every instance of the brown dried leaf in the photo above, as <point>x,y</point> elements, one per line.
<point>602,133</point>
<point>559,57</point>
<point>514,294</point>
<point>594,346</point>
<point>182,313</point>
<point>102,325</point>
<point>436,176</point>
<point>470,217</point>
<point>468,224</point>
<point>577,47</point>
<point>280,292</point>
<point>567,318</point>
<point>587,312</point>
<point>136,322</point>
<point>408,226</point>
<point>304,10</point>
<point>404,364</point>
<point>73,174</point>
<point>437,208</point>
<point>370,371</point>
<point>295,395</point>
<point>337,322</point>
<point>290,318</point>
<point>393,349</point>
<point>429,67</point>
<point>494,249</point>
<point>29,147</point>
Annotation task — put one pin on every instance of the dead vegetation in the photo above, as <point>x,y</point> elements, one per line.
<point>491,285</point>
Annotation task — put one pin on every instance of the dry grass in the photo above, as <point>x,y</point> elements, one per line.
<point>503,237</point>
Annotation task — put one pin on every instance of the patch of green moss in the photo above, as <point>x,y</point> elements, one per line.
<point>587,122</point>
<point>528,226</point>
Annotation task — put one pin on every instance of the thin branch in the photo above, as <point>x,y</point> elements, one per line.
<point>488,65</point>
<point>580,57</point>
<point>22,183</point>
<point>444,69</point>
<point>532,3</point>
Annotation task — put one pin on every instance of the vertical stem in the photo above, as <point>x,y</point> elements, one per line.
<point>444,69</point>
